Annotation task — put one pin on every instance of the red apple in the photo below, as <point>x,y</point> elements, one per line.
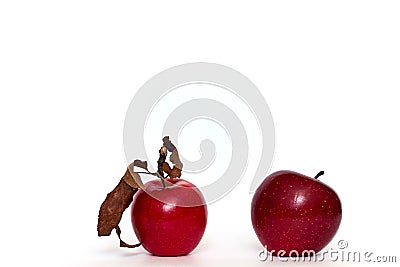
<point>169,221</point>
<point>293,212</point>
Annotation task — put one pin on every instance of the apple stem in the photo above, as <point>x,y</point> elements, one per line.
<point>319,174</point>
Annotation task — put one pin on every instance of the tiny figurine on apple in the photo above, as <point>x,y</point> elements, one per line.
<point>295,213</point>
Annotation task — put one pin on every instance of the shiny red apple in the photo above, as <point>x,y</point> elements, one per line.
<point>293,212</point>
<point>170,220</point>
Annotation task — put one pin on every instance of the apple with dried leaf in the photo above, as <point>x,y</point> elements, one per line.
<point>169,215</point>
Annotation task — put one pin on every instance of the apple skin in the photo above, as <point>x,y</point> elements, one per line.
<point>291,211</point>
<point>169,221</point>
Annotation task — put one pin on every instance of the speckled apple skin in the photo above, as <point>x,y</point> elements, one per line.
<point>291,211</point>
<point>173,223</point>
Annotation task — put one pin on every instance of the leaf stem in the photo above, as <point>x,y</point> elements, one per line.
<point>149,173</point>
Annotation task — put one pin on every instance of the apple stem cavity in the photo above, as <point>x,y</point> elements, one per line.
<point>319,174</point>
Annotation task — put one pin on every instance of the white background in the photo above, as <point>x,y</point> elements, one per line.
<point>330,72</point>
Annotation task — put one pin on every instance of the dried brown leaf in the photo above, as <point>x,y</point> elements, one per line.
<point>166,167</point>
<point>161,160</point>
<point>116,202</point>
<point>140,164</point>
<point>175,172</point>
<point>132,178</point>
<point>168,144</point>
<point>174,158</point>
<point>172,173</point>
<point>123,244</point>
